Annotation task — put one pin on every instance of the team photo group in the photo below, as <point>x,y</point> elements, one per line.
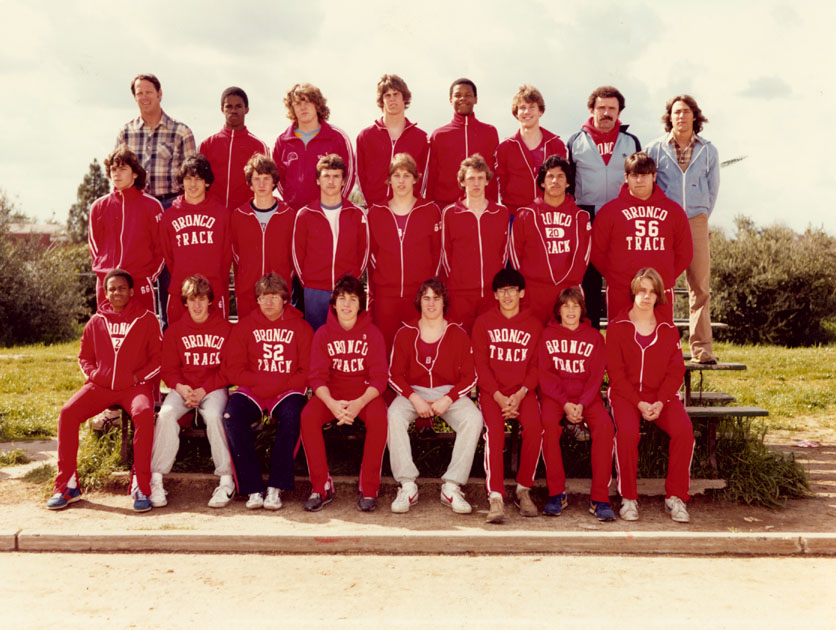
<point>467,280</point>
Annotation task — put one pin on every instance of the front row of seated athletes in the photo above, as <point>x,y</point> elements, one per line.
<point>272,356</point>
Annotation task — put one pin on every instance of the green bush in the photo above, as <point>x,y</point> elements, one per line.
<point>773,285</point>
<point>39,296</point>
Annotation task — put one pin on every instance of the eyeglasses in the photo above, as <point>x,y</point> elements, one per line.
<point>270,298</point>
<point>510,291</point>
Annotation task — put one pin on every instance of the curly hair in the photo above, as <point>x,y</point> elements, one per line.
<point>606,91</point>
<point>262,164</point>
<point>196,165</point>
<point>122,155</point>
<point>477,163</point>
<point>306,92</point>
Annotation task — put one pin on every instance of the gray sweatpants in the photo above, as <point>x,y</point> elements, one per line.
<point>463,417</point>
<point>167,431</point>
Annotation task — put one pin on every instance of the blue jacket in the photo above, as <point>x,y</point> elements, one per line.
<point>595,182</point>
<point>695,189</point>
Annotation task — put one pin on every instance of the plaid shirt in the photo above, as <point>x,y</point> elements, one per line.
<point>161,151</point>
<point>683,154</point>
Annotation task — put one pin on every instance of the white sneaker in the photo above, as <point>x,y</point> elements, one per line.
<point>452,496</point>
<point>157,493</point>
<point>273,500</point>
<point>676,508</point>
<point>221,496</point>
<point>629,510</point>
<point>256,501</point>
<point>407,497</point>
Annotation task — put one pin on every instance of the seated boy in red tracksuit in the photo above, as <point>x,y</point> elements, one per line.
<point>124,231</point>
<point>120,355</point>
<point>195,237</point>
<point>550,239</point>
<point>504,348</point>
<point>640,228</point>
<point>474,244</point>
<point>571,361</point>
<point>330,239</point>
<point>348,375</point>
<point>261,232</point>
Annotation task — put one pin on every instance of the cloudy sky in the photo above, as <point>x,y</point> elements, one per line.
<point>763,74</point>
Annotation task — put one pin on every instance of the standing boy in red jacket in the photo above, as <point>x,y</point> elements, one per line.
<point>119,357</point>
<point>330,239</point>
<point>505,351</point>
<point>229,150</point>
<point>456,141</point>
<point>304,142</point>
<point>124,230</point>
<point>518,157</point>
<point>261,232</point>
<point>378,143</point>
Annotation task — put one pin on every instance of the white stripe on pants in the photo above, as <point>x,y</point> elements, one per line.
<point>167,431</point>
<point>463,417</point>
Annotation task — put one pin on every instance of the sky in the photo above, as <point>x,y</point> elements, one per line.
<point>763,73</point>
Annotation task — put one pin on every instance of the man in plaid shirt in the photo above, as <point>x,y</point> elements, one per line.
<point>161,144</point>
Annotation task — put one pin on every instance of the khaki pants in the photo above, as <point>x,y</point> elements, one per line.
<point>698,276</point>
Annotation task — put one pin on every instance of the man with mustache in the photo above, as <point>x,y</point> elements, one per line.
<point>597,152</point>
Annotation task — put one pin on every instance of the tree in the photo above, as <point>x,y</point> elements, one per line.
<point>93,186</point>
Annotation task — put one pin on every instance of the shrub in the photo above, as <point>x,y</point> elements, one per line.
<point>773,285</point>
<point>39,296</point>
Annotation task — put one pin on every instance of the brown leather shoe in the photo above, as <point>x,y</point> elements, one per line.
<point>524,502</point>
<point>496,513</point>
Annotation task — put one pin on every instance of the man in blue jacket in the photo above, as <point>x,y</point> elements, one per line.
<point>688,171</point>
<point>597,153</point>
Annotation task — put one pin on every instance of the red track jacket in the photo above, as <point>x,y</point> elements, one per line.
<point>515,170</point>
<point>228,152</point>
<point>375,150</point>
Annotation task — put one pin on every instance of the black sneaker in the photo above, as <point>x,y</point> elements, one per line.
<point>316,501</point>
<point>366,504</point>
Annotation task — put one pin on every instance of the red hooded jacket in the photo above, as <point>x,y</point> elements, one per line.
<point>317,263</point>
<point>192,352</point>
<point>270,357</point>
<point>551,245</point>
<point>505,351</point>
<point>228,152</point>
<point>644,374</point>
<point>348,361</point>
<point>257,252</point>
<point>375,150</point>
<point>399,263</point>
<point>452,365</point>
<point>297,163</point>
<point>473,250</point>
<point>516,172</point>
<point>571,363</point>
<point>631,233</point>
<point>119,350</point>
<point>195,239</point>
<point>124,233</point>
<point>450,145</point>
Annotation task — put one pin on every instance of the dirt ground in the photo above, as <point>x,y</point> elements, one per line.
<point>231,591</point>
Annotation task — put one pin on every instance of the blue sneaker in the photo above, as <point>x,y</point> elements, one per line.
<point>60,500</point>
<point>601,510</point>
<point>555,504</point>
<point>142,503</point>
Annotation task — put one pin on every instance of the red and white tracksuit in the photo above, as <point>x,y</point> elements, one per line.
<point>571,371</point>
<point>195,239</point>
<point>124,233</point>
<point>450,145</point>
<point>269,359</point>
<point>631,233</point>
<point>400,261</point>
<point>648,374</point>
<point>317,262</point>
<point>550,247</point>
<point>228,152</point>
<point>257,251</point>
<point>297,163</point>
<point>516,170</point>
<point>119,357</point>
<point>347,362</point>
<point>504,349</point>
<point>375,150</point>
<point>472,251</point>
